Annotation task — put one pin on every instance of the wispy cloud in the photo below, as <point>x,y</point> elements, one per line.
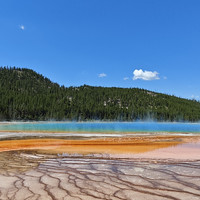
<point>22,27</point>
<point>164,77</point>
<point>102,75</point>
<point>126,78</point>
<point>145,75</point>
<point>195,97</point>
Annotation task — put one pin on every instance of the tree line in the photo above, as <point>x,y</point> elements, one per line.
<point>27,95</point>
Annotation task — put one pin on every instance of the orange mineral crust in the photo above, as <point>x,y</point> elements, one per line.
<point>126,145</point>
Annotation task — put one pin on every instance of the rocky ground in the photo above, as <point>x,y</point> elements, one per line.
<point>33,175</point>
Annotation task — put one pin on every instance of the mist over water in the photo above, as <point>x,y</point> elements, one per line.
<point>102,127</point>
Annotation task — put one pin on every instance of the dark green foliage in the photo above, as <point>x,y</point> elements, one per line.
<point>27,95</point>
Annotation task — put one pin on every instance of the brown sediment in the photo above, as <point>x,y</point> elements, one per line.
<point>35,170</point>
<point>49,177</point>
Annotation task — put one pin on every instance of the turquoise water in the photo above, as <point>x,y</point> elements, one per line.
<point>102,127</point>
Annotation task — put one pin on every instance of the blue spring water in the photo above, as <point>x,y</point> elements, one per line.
<point>115,127</point>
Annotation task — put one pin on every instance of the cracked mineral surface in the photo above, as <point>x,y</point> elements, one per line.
<point>150,168</point>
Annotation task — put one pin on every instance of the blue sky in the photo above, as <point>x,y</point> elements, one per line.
<point>103,42</point>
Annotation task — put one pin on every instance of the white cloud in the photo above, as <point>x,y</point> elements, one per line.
<point>145,75</point>
<point>164,77</point>
<point>102,75</point>
<point>126,78</point>
<point>22,27</point>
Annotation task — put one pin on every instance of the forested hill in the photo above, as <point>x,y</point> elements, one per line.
<point>27,95</point>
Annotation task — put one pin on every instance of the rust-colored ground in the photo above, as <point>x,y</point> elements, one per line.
<point>102,145</point>
<point>33,176</point>
<point>51,169</point>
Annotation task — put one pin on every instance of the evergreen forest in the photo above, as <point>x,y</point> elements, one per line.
<point>27,95</point>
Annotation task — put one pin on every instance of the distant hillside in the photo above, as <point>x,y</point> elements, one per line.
<point>27,95</point>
